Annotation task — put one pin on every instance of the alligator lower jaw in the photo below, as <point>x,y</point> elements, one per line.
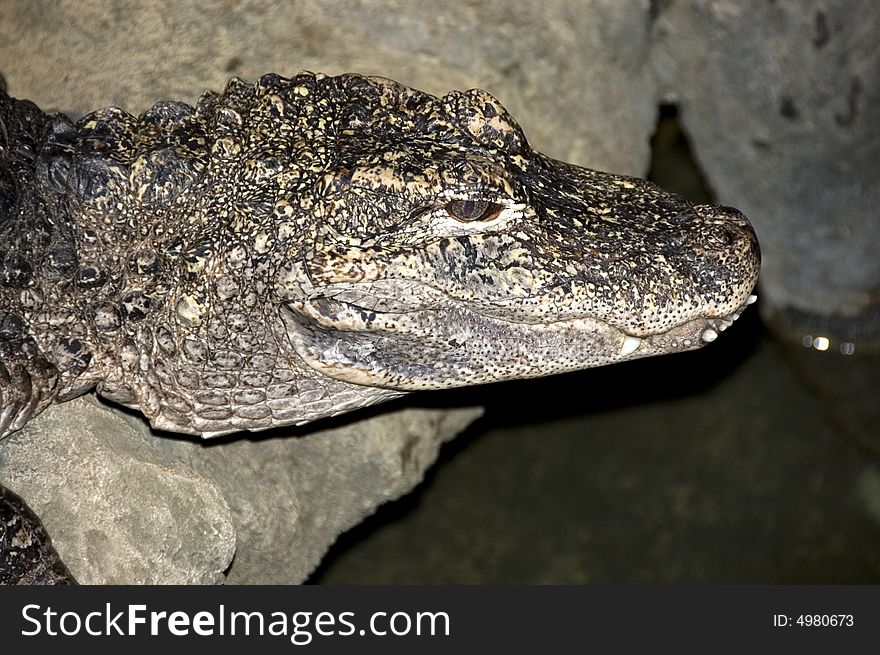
<point>455,346</point>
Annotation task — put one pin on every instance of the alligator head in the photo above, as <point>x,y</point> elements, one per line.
<point>450,253</point>
<point>297,248</point>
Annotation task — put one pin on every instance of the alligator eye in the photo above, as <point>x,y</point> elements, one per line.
<point>473,210</point>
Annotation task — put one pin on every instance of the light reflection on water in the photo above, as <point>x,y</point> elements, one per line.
<point>824,344</point>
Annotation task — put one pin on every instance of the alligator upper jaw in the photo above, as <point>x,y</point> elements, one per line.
<point>453,345</point>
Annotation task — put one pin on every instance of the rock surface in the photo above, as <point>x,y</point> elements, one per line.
<point>126,506</point>
<point>118,506</point>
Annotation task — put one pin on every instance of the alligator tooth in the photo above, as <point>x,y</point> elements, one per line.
<point>734,316</point>
<point>630,345</point>
<point>751,299</point>
<point>725,323</point>
<point>709,335</point>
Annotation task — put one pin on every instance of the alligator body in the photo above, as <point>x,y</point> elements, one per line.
<point>298,248</point>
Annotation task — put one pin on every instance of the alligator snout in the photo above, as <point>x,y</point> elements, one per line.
<point>705,265</point>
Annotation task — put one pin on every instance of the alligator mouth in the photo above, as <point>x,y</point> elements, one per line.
<point>718,325</point>
<point>450,344</point>
<point>688,335</point>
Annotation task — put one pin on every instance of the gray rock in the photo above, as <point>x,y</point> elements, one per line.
<point>126,506</point>
<point>780,102</point>
<point>120,508</point>
<point>291,497</point>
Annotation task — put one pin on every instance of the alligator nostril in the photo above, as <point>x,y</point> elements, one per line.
<point>725,235</point>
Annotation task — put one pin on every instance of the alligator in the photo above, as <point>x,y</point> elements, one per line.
<point>296,248</point>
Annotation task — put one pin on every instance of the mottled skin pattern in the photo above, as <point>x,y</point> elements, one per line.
<point>28,557</point>
<point>298,248</point>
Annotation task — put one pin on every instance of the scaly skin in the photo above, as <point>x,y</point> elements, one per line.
<point>298,248</point>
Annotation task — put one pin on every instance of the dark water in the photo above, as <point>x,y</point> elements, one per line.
<point>722,465</point>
